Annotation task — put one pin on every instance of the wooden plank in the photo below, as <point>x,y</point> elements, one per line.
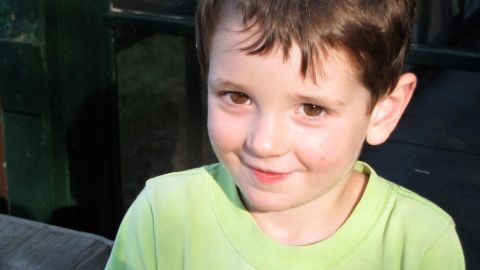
<point>178,7</point>
<point>444,58</point>
<point>26,244</point>
<point>165,24</point>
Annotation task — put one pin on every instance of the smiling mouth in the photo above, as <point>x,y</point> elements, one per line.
<point>267,177</point>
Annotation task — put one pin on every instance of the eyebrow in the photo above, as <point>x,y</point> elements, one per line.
<point>225,84</point>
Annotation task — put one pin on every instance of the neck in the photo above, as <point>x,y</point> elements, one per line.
<point>316,220</point>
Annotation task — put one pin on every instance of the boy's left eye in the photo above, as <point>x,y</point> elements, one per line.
<point>312,110</point>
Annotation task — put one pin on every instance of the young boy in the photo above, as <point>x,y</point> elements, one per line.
<point>294,90</point>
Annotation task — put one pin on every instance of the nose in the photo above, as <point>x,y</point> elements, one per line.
<point>269,136</point>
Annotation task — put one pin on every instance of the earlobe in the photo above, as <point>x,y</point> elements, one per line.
<point>389,109</point>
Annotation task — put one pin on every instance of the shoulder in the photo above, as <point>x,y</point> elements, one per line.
<point>414,231</point>
<point>401,204</point>
<point>414,222</point>
<point>159,216</point>
<point>182,181</point>
<point>179,190</point>
<point>403,212</point>
<point>423,231</point>
<point>416,208</point>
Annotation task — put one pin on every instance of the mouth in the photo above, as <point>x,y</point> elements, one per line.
<point>268,177</point>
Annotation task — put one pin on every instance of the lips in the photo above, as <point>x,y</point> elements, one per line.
<point>268,177</point>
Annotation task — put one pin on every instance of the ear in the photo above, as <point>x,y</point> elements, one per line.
<point>389,109</point>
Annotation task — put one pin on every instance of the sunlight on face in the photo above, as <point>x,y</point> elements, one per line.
<point>286,140</point>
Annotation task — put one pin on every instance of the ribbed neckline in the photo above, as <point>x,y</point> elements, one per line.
<point>262,252</point>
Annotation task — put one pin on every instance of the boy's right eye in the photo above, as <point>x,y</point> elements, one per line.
<point>237,98</point>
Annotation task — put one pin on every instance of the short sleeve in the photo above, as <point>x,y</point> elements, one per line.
<point>134,246</point>
<point>445,253</point>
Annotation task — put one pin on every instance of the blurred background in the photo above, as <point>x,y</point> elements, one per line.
<point>98,96</point>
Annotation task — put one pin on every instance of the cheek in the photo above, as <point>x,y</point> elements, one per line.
<point>345,144</point>
<point>224,133</point>
<point>312,149</point>
<point>329,147</point>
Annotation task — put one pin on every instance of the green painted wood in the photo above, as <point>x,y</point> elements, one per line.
<point>23,77</point>
<point>179,7</point>
<point>444,58</point>
<point>81,74</point>
<point>60,118</point>
<point>32,187</point>
<point>159,23</point>
<point>35,163</point>
<point>22,21</point>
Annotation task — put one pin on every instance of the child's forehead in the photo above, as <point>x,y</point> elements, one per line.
<point>233,37</point>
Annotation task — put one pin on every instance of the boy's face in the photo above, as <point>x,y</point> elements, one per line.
<point>286,140</point>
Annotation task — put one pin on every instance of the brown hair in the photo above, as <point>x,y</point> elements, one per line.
<point>374,34</point>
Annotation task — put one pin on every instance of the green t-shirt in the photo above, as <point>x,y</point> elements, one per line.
<point>195,220</point>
